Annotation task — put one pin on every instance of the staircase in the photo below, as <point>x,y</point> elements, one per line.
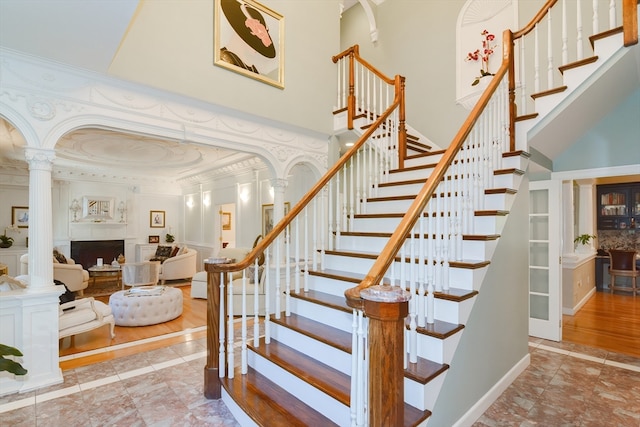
<point>421,222</point>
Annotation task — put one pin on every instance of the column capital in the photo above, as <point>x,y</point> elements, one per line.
<point>279,183</point>
<point>40,158</point>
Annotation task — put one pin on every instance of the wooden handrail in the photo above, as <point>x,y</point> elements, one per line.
<point>536,19</point>
<point>355,50</point>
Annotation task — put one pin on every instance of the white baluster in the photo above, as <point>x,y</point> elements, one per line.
<point>565,36</point>
<point>334,229</point>
<point>243,325</point>
<point>523,79</point>
<point>536,61</point>
<point>267,292</point>
<point>595,23</point>
<point>256,304</point>
<point>221,321</point>
<point>579,43</point>
<point>353,407</point>
<point>612,14</point>
<point>413,347</point>
<point>306,249</point>
<point>230,338</point>
<point>278,262</point>
<point>421,272</point>
<point>549,51</point>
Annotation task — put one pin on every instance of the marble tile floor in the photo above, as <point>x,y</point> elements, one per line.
<point>565,385</point>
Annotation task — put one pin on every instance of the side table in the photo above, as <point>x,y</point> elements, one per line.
<point>105,271</point>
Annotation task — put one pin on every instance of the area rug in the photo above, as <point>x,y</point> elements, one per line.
<point>107,287</point>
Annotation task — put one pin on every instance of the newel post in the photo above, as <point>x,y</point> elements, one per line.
<point>212,371</point>
<point>386,307</point>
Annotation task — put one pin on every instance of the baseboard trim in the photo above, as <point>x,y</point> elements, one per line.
<point>480,407</point>
<point>577,307</point>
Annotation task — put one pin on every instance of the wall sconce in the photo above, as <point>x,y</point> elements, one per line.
<point>75,208</point>
<point>190,203</point>
<point>244,195</point>
<point>206,200</point>
<point>122,209</point>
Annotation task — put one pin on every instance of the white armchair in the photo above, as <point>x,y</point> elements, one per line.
<point>181,266</point>
<point>71,274</point>
<point>84,315</point>
<point>144,273</point>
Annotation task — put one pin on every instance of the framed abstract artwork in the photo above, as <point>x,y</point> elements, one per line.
<point>249,40</point>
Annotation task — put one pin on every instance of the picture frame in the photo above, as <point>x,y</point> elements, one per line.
<point>156,219</point>
<point>254,52</point>
<point>226,220</point>
<point>268,218</point>
<point>154,239</point>
<point>98,209</point>
<point>20,216</point>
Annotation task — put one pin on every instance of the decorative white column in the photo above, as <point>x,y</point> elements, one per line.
<point>40,221</point>
<point>279,185</point>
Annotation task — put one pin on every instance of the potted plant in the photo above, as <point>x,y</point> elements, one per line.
<point>7,241</point>
<point>8,364</point>
<point>582,242</point>
<point>169,238</point>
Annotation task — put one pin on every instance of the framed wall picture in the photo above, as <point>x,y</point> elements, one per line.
<point>226,220</point>
<point>156,219</point>
<point>249,39</point>
<point>267,217</point>
<point>20,216</point>
<point>98,209</point>
<point>154,239</point>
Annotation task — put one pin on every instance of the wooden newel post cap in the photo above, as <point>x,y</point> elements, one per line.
<point>210,261</point>
<point>384,302</point>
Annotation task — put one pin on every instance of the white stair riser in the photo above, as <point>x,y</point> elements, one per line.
<point>388,206</point>
<point>492,224</point>
<point>399,190</point>
<point>575,76</point>
<point>517,162</point>
<point>606,47</point>
<point>383,225</point>
<point>424,160</point>
<point>506,180</point>
<point>325,353</point>
<point>478,249</point>
<point>329,316</point>
<point>423,396</point>
<point>452,311</point>
<point>467,278</point>
<point>412,174</point>
<point>241,417</point>
<point>544,104</point>
<point>437,350</point>
<point>321,402</point>
<point>501,201</point>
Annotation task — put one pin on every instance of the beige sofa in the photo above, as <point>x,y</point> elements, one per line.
<point>71,274</point>
<point>181,266</point>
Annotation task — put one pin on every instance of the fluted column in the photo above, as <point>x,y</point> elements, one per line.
<point>40,223</point>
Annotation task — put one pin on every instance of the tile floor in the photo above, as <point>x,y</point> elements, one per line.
<point>565,385</point>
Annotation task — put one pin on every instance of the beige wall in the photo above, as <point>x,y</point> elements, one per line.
<point>169,45</point>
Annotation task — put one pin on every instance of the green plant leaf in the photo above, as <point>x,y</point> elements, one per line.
<point>6,350</point>
<point>11,366</point>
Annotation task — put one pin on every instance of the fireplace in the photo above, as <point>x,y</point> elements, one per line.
<point>86,252</point>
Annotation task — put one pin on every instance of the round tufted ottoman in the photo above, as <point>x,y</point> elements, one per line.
<point>141,310</point>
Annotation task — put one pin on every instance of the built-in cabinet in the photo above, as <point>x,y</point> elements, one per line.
<point>618,206</point>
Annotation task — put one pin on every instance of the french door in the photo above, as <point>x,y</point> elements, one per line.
<point>545,305</point>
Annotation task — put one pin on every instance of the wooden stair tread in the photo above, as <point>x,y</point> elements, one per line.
<point>508,171</point>
<point>269,404</point>
<point>414,168</point>
<point>479,237</point>
<point>577,64</point>
<point>526,117</point>
<point>604,35</point>
<point>374,255</point>
<point>424,370</point>
<point>438,329</point>
<point>553,91</point>
<point>453,294</point>
<point>319,331</point>
<point>323,377</point>
<point>322,298</point>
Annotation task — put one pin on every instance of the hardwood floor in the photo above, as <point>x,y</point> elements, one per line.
<point>606,321</point>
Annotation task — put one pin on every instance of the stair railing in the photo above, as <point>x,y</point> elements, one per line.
<point>294,246</point>
<point>364,93</point>
<point>562,33</point>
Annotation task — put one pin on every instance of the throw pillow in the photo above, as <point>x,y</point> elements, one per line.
<point>59,257</point>
<point>175,251</point>
<point>163,251</point>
